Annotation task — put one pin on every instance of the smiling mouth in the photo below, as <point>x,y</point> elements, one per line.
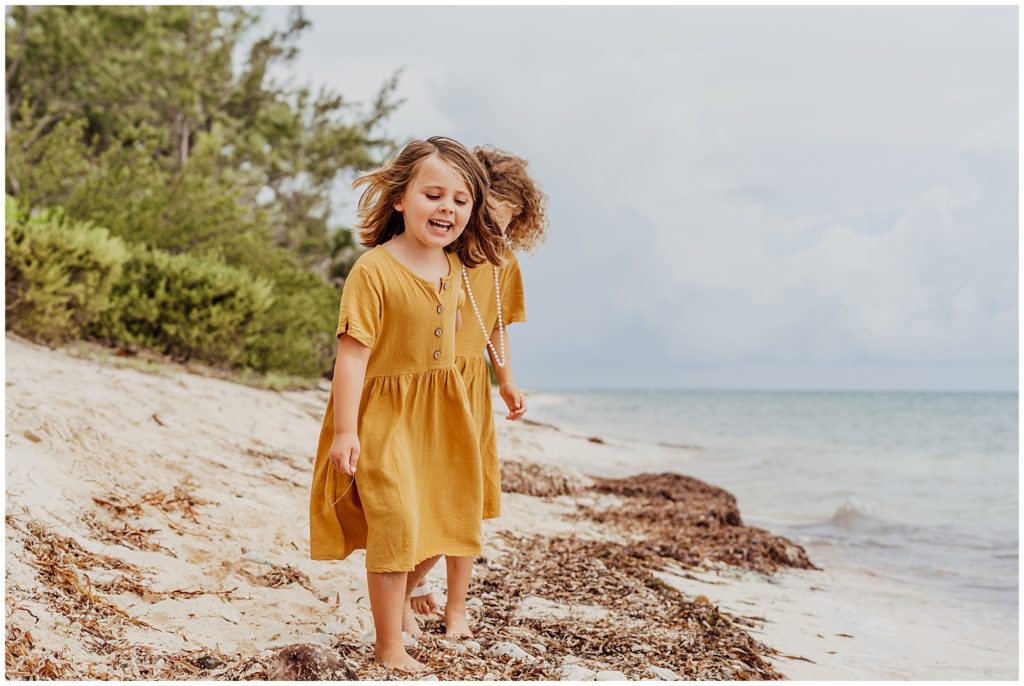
<point>440,225</point>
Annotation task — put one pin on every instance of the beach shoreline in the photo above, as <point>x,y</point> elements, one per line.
<point>848,620</point>
<point>170,510</point>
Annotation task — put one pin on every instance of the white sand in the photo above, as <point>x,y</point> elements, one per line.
<point>80,429</point>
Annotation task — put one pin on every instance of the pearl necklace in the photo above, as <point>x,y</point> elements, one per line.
<point>498,359</point>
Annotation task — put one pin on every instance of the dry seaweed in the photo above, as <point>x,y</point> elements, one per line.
<point>46,544</point>
<point>540,480</point>
<point>23,659</point>
<point>125,535</point>
<point>686,520</point>
<point>642,621</point>
<point>58,559</point>
<point>283,575</point>
<point>179,502</point>
<point>293,462</point>
<point>648,621</point>
<point>123,584</point>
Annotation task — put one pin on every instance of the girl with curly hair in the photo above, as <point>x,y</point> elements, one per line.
<point>494,300</point>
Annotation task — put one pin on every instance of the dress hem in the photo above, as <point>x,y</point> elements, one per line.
<point>383,570</point>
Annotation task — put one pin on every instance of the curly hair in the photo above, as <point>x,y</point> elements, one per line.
<point>379,221</point>
<point>510,182</point>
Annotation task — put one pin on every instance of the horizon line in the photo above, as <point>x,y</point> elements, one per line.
<point>906,391</point>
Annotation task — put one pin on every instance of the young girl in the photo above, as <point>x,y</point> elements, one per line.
<point>495,299</point>
<point>398,407</point>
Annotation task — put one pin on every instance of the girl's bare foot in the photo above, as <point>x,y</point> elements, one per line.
<point>455,625</point>
<point>426,605</point>
<point>409,623</point>
<point>400,660</point>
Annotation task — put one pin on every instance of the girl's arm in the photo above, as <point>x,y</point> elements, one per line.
<point>349,374</point>
<point>510,393</point>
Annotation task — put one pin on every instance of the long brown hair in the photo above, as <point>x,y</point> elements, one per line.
<point>379,221</point>
<point>511,182</point>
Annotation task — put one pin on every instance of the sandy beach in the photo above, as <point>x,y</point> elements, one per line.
<point>157,528</point>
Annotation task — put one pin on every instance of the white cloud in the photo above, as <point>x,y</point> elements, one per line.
<point>733,188</point>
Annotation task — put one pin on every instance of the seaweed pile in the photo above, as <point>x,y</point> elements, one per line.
<point>539,604</point>
<point>686,520</point>
<point>538,480</point>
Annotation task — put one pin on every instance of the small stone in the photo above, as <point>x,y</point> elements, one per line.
<point>539,647</point>
<point>474,602</point>
<point>409,640</point>
<point>208,662</point>
<point>509,650</point>
<point>369,638</point>
<point>472,646</point>
<point>490,676</point>
<point>430,677</point>
<point>576,673</point>
<point>457,647</point>
<point>662,674</point>
<point>608,675</point>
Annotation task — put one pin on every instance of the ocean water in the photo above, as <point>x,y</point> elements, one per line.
<point>920,488</point>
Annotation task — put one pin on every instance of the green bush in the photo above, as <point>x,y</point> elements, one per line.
<point>296,334</point>
<point>59,274</point>
<point>186,306</point>
<point>69,280</point>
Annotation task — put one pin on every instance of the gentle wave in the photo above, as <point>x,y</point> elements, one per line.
<point>918,486</point>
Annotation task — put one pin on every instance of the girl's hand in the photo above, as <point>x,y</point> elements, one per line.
<point>514,399</point>
<point>344,453</point>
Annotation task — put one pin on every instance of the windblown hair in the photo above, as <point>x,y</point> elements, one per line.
<point>511,182</point>
<point>380,222</point>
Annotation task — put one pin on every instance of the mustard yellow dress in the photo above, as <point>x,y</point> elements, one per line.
<point>418,488</point>
<point>471,361</point>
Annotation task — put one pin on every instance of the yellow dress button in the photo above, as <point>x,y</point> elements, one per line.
<point>447,285</point>
<point>437,354</point>
<point>437,332</point>
<point>440,309</point>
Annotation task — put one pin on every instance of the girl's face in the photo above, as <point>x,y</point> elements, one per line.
<point>436,205</point>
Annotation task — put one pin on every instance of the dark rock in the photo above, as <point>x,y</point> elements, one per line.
<point>306,662</point>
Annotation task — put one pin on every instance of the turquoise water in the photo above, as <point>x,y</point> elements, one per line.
<point>921,488</point>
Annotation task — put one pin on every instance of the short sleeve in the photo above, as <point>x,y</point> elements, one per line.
<point>361,308</point>
<point>513,300</point>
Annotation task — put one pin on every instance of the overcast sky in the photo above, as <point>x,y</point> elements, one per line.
<point>746,197</point>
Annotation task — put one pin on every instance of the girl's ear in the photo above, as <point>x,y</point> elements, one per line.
<point>398,206</point>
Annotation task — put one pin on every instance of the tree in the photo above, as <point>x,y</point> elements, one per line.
<point>163,114</point>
